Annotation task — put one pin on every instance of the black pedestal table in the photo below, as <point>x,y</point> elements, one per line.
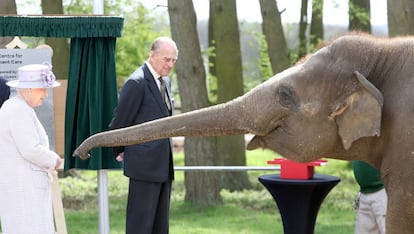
<point>299,200</point>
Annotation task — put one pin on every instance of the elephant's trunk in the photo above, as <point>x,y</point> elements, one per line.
<point>219,120</point>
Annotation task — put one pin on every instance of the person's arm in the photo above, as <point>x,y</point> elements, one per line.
<point>130,99</point>
<point>28,140</point>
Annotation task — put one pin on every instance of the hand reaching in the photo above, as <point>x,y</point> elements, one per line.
<point>120,157</point>
<point>58,163</point>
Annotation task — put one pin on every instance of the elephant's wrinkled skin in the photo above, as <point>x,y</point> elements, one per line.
<point>352,99</point>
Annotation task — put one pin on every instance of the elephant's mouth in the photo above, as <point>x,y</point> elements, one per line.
<point>272,141</point>
<point>262,140</point>
<point>256,142</point>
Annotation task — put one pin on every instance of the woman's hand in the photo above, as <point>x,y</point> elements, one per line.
<point>58,163</point>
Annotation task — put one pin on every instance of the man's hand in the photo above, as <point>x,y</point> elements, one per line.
<point>120,157</point>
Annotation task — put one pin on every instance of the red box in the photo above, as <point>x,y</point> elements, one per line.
<point>293,170</point>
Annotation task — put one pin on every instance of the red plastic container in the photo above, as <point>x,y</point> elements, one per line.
<point>293,170</point>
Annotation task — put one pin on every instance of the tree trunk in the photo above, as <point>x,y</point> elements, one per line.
<point>202,188</point>
<point>400,17</point>
<point>303,24</point>
<point>7,7</point>
<point>60,46</point>
<point>316,27</point>
<point>228,67</point>
<point>275,37</point>
<point>360,15</point>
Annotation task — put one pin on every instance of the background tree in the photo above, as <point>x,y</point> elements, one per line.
<point>360,15</point>
<point>7,7</point>
<point>316,26</point>
<point>137,35</point>
<point>303,24</point>
<point>400,17</point>
<point>228,68</point>
<point>275,37</point>
<point>202,188</point>
<point>60,46</point>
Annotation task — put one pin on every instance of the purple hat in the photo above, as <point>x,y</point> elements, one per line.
<point>34,76</point>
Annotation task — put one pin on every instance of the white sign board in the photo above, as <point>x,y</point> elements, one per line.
<point>10,60</point>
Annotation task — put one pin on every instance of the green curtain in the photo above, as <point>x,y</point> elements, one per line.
<point>91,98</point>
<point>92,93</point>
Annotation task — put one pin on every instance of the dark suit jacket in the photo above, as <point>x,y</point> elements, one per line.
<point>4,91</point>
<point>140,101</point>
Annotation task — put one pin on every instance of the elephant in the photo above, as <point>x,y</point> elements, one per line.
<point>350,100</point>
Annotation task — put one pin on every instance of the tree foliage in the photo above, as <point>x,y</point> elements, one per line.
<point>360,15</point>
<point>303,24</point>
<point>265,68</point>
<point>135,43</point>
<point>316,26</point>
<point>78,6</point>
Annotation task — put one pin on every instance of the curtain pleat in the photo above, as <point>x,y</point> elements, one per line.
<point>61,26</point>
<point>91,98</point>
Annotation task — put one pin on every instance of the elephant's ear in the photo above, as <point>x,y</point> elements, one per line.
<point>360,114</point>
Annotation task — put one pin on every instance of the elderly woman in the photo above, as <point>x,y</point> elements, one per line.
<point>25,157</point>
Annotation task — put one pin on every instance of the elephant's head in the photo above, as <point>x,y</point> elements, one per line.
<point>306,112</point>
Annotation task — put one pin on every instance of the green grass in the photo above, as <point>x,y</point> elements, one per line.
<point>252,211</point>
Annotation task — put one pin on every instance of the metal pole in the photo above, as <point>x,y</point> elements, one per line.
<point>103,201</point>
<point>227,168</point>
<point>98,8</point>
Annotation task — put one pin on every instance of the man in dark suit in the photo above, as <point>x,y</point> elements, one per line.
<point>4,90</point>
<point>149,165</point>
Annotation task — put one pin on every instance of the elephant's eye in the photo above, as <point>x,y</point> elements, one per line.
<point>287,97</point>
